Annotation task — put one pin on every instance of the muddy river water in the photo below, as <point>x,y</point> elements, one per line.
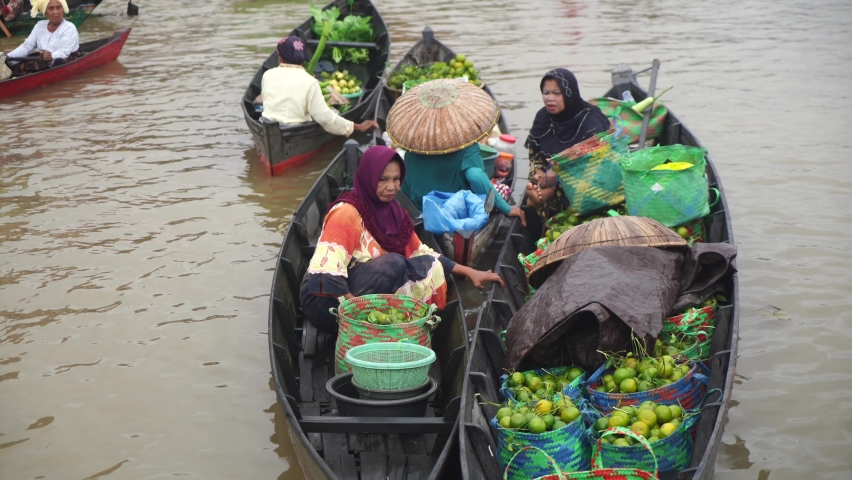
<point>138,235</point>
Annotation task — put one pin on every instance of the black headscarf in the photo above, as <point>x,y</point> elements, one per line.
<point>580,120</point>
<point>292,50</point>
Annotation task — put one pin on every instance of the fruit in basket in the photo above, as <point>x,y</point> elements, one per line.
<point>651,372</point>
<point>644,421</point>
<point>340,81</point>
<point>454,68</point>
<point>391,317</point>
<point>538,417</point>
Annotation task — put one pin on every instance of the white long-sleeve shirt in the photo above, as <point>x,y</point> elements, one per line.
<point>291,96</point>
<point>61,43</point>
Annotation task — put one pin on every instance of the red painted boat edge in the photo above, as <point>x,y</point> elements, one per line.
<point>94,59</point>
<point>293,161</point>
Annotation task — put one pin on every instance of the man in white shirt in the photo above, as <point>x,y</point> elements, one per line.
<point>292,96</point>
<point>56,39</point>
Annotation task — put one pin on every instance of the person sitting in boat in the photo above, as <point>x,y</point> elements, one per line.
<point>55,38</point>
<point>438,160</point>
<point>368,246</point>
<point>564,121</point>
<point>292,96</point>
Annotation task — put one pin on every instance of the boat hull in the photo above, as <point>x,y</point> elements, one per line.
<point>476,438</point>
<point>96,54</point>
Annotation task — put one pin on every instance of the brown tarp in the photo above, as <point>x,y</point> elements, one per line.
<point>595,299</point>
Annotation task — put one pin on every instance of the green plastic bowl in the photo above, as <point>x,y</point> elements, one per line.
<point>390,365</point>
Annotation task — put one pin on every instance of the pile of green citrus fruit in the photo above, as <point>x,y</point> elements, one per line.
<point>391,317</point>
<point>633,375</point>
<point>532,387</point>
<point>342,82</point>
<point>650,420</point>
<point>455,68</point>
<point>538,417</point>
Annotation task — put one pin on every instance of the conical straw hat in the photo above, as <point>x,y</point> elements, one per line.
<point>441,116</point>
<point>606,231</point>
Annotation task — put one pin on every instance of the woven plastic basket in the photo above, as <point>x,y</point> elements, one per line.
<point>390,366</point>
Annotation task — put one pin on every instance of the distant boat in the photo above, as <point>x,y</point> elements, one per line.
<point>283,147</point>
<point>95,54</point>
<point>78,11</point>
<point>463,247</point>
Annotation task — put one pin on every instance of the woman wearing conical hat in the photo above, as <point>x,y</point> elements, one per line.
<point>55,38</point>
<point>439,124</point>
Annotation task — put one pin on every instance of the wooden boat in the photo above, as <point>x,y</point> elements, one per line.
<point>463,247</point>
<point>282,147</point>
<point>477,439</point>
<point>335,447</point>
<point>95,54</point>
<point>78,11</point>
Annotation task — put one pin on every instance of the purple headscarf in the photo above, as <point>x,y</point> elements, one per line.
<point>387,222</point>
<point>292,50</point>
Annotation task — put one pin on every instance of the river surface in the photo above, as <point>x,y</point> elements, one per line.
<point>138,235</point>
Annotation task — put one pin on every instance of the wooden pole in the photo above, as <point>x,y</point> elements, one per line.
<point>655,67</point>
<point>5,30</point>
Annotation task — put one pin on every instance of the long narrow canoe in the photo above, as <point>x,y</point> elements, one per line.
<point>330,446</point>
<point>95,54</point>
<point>78,11</point>
<point>463,247</point>
<point>281,147</point>
<point>477,439</point>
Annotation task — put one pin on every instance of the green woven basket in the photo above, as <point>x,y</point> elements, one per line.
<point>390,366</point>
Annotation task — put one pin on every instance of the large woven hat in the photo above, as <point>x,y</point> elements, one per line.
<point>606,231</point>
<point>441,116</point>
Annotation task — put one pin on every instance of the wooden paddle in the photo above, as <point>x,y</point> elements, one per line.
<point>5,30</point>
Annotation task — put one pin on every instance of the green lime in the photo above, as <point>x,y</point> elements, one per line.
<point>621,442</point>
<point>537,425</point>
<point>629,385</point>
<point>677,412</point>
<point>569,414</point>
<point>648,417</point>
<point>518,378</point>
<point>558,424</point>
<point>640,428</point>
<point>504,412</point>
<point>664,414</point>
<point>534,383</point>
<point>653,439</point>
<point>549,420</point>
<point>517,420</point>
<point>601,424</point>
<point>667,429</point>
<point>617,421</point>
<point>620,375</point>
<point>574,373</point>
<point>506,422</point>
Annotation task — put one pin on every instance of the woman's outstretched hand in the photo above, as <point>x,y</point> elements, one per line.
<point>479,278</point>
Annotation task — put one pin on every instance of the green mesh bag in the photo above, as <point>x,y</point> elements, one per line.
<point>671,197</point>
<point>355,330</point>
<point>590,174</point>
<point>623,117</point>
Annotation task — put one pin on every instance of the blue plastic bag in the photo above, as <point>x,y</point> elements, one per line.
<point>452,212</point>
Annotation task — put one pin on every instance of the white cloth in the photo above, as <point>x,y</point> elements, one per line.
<point>41,6</point>
<point>292,96</point>
<point>61,43</point>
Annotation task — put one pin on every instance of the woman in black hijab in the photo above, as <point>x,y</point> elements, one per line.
<point>564,121</point>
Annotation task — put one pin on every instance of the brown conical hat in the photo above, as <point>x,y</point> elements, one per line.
<point>607,231</point>
<point>441,116</point>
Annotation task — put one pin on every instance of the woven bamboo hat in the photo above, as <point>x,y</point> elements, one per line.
<point>607,231</point>
<point>441,116</point>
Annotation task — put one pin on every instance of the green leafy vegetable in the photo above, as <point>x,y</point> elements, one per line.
<point>352,28</point>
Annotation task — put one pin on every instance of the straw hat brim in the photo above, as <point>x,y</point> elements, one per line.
<point>441,116</point>
<point>607,231</point>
